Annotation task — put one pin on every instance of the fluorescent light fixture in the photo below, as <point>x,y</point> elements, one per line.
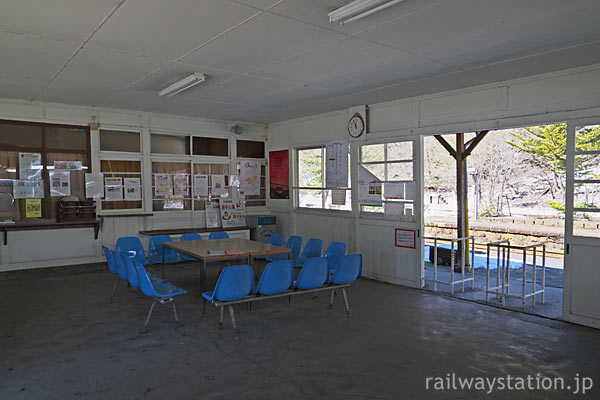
<point>183,84</point>
<point>359,9</point>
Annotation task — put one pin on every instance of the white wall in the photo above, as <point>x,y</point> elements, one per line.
<point>555,97</point>
<point>33,249</point>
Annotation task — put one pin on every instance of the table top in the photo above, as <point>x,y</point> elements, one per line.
<point>199,248</point>
<point>177,231</point>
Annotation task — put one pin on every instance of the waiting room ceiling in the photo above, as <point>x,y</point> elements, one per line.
<point>269,60</point>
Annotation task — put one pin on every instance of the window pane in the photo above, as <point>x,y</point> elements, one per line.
<point>210,146</point>
<point>400,171</point>
<point>76,177</point>
<point>399,151</point>
<point>376,169</point>
<point>250,149</point>
<point>372,152</point>
<point>310,168</point>
<point>66,138</point>
<point>20,135</point>
<point>587,138</point>
<point>120,141</point>
<point>168,144</point>
<point>122,169</point>
<point>587,166</point>
<point>310,198</point>
<point>587,195</point>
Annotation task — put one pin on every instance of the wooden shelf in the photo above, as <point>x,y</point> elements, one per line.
<point>43,224</point>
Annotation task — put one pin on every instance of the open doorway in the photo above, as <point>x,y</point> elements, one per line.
<point>515,182</point>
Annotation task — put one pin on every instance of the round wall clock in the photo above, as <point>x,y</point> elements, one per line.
<point>356,125</point>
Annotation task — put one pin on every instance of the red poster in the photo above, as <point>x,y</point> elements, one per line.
<point>279,174</point>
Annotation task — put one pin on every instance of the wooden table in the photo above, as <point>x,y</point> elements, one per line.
<point>199,249</point>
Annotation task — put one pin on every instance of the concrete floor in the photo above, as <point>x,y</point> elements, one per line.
<point>59,338</point>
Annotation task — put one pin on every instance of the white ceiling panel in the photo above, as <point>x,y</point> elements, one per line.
<point>467,33</point>
<point>238,50</point>
<point>67,20</point>
<point>346,57</point>
<point>241,90</point>
<point>169,28</point>
<point>176,71</point>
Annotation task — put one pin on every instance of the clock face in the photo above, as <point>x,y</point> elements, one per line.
<point>356,126</point>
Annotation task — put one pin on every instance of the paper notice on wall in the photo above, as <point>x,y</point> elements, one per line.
<point>338,197</point>
<point>217,184</point>
<point>30,166</point>
<point>60,183</point>
<point>133,189</point>
<point>213,214</point>
<point>233,213</point>
<point>394,211</point>
<point>250,177</point>
<point>337,164</point>
<point>113,188</point>
<point>94,186</point>
<point>200,185</point>
<point>33,208</point>
<point>234,181</point>
<point>393,190</point>
<point>369,186</point>
<point>28,189</point>
<point>68,165</point>
<point>181,184</point>
<point>410,190</point>
<point>162,185</point>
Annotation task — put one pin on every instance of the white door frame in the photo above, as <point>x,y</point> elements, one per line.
<point>574,243</point>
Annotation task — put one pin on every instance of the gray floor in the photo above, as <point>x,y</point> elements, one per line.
<point>61,339</point>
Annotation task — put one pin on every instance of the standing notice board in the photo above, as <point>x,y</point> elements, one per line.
<point>233,213</point>
<point>406,238</point>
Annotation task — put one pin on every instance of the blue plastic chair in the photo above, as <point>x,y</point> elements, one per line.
<point>113,267</point>
<point>348,271</point>
<point>276,239</point>
<point>294,243</point>
<point>132,274</point>
<point>335,251</point>
<point>234,283</point>
<point>313,249</point>
<point>132,245</point>
<point>159,289</point>
<point>155,250</point>
<point>277,277</point>
<point>189,236</point>
<point>314,274</point>
<point>218,235</point>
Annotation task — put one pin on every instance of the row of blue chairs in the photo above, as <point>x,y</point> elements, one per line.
<point>127,268</point>
<point>236,284</point>
<point>133,245</point>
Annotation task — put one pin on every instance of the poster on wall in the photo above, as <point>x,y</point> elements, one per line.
<point>33,208</point>
<point>369,187</point>
<point>68,165</point>
<point>394,190</point>
<point>279,174</point>
<point>113,188</point>
<point>181,184</point>
<point>338,197</point>
<point>213,214</point>
<point>217,184</point>
<point>28,189</point>
<point>94,186</point>
<point>60,183</point>
<point>406,238</point>
<point>133,189</point>
<point>30,166</point>
<point>233,213</point>
<point>336,164</point>
<point>162,185</point>
<point>200,185</point>
<point>250,177</point>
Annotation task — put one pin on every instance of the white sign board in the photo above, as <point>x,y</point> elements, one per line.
<point>336,168</point>
<point>133,189</point>
<point>250,177</point>
<point>28,189</point>
<point>200,185</point>
<point>233,213</point>
<point>113,188</point>
<point>94,186</point>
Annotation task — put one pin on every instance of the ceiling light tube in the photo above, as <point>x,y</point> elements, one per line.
<point>359,9</point>
<point>183,84</point>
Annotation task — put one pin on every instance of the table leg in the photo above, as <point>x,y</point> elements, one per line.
<point>203,288</point>
<point>163,262</point>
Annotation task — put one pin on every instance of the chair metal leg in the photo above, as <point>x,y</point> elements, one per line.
<point>220,317</point>
<point>174,311</point>
<point>346,303</point>
<point>235,332</point>
<point>331,298</point>
<point>112,294</point>
<point>149,314</point>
